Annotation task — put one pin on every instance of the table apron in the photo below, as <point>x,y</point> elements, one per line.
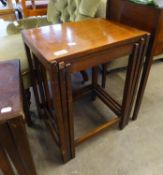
<point>98,58</point>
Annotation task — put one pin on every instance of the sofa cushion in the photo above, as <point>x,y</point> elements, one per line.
<point>62,10</point>
<point>89,8</point>
<point>12,48</point>
<point>101,11</point>
<point>81,17</point>
<point>71,10</point>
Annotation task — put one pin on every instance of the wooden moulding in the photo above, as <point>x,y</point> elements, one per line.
<point>108,100</point>
<point>82,92</point>
<point>96,131</point>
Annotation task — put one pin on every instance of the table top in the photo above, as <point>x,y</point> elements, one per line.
<point>69,40</point>
<point>10,98</point>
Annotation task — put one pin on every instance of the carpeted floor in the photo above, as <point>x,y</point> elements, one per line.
<point>136,150</point>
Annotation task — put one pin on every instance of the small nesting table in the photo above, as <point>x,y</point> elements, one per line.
<point>55,52</point>
<point>135,15</point>
<point>14,144</point>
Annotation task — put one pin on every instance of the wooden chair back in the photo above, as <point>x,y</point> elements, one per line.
<point>34,7</point>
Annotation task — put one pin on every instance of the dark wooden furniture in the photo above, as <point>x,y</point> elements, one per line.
<point>72,47</point>
<point>14,145</point>
<point>146,18</point>
<point>34,7</point>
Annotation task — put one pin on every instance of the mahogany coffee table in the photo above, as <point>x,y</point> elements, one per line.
<point>57,51</point>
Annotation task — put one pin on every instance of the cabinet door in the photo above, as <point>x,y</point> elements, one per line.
<point>136,15</point>
<point>159,39</point>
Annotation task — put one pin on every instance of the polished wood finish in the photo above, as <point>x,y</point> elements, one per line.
<point>100,36</point>
<point>145,18</point>
<point>67,48</point>
<point>13,136</point>
<point>34,7</point>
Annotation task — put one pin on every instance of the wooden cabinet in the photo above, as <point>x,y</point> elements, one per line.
<point>139,16</point>
<point>159,37</point>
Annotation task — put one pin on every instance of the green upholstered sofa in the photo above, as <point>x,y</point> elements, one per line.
<point>58,11</point>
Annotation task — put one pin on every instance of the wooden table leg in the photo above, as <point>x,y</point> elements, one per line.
<point>66,97</point>
<point>104,73</point>
<point>33,78</point>
<point>5,164</point>
<point>38,71</point>
<point>26,105</point>
<point>135,75</point>
<point>70,110</point>
<point>95,71</point>
<point>138,70</point>
<point>84,75</point>
<point>45,80</point>
<point>59,113</point>
<point>26,102</point>
<point>128,84</point>
<point>143,82</point>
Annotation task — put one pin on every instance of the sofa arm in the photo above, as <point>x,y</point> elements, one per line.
<point>27,23</point>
